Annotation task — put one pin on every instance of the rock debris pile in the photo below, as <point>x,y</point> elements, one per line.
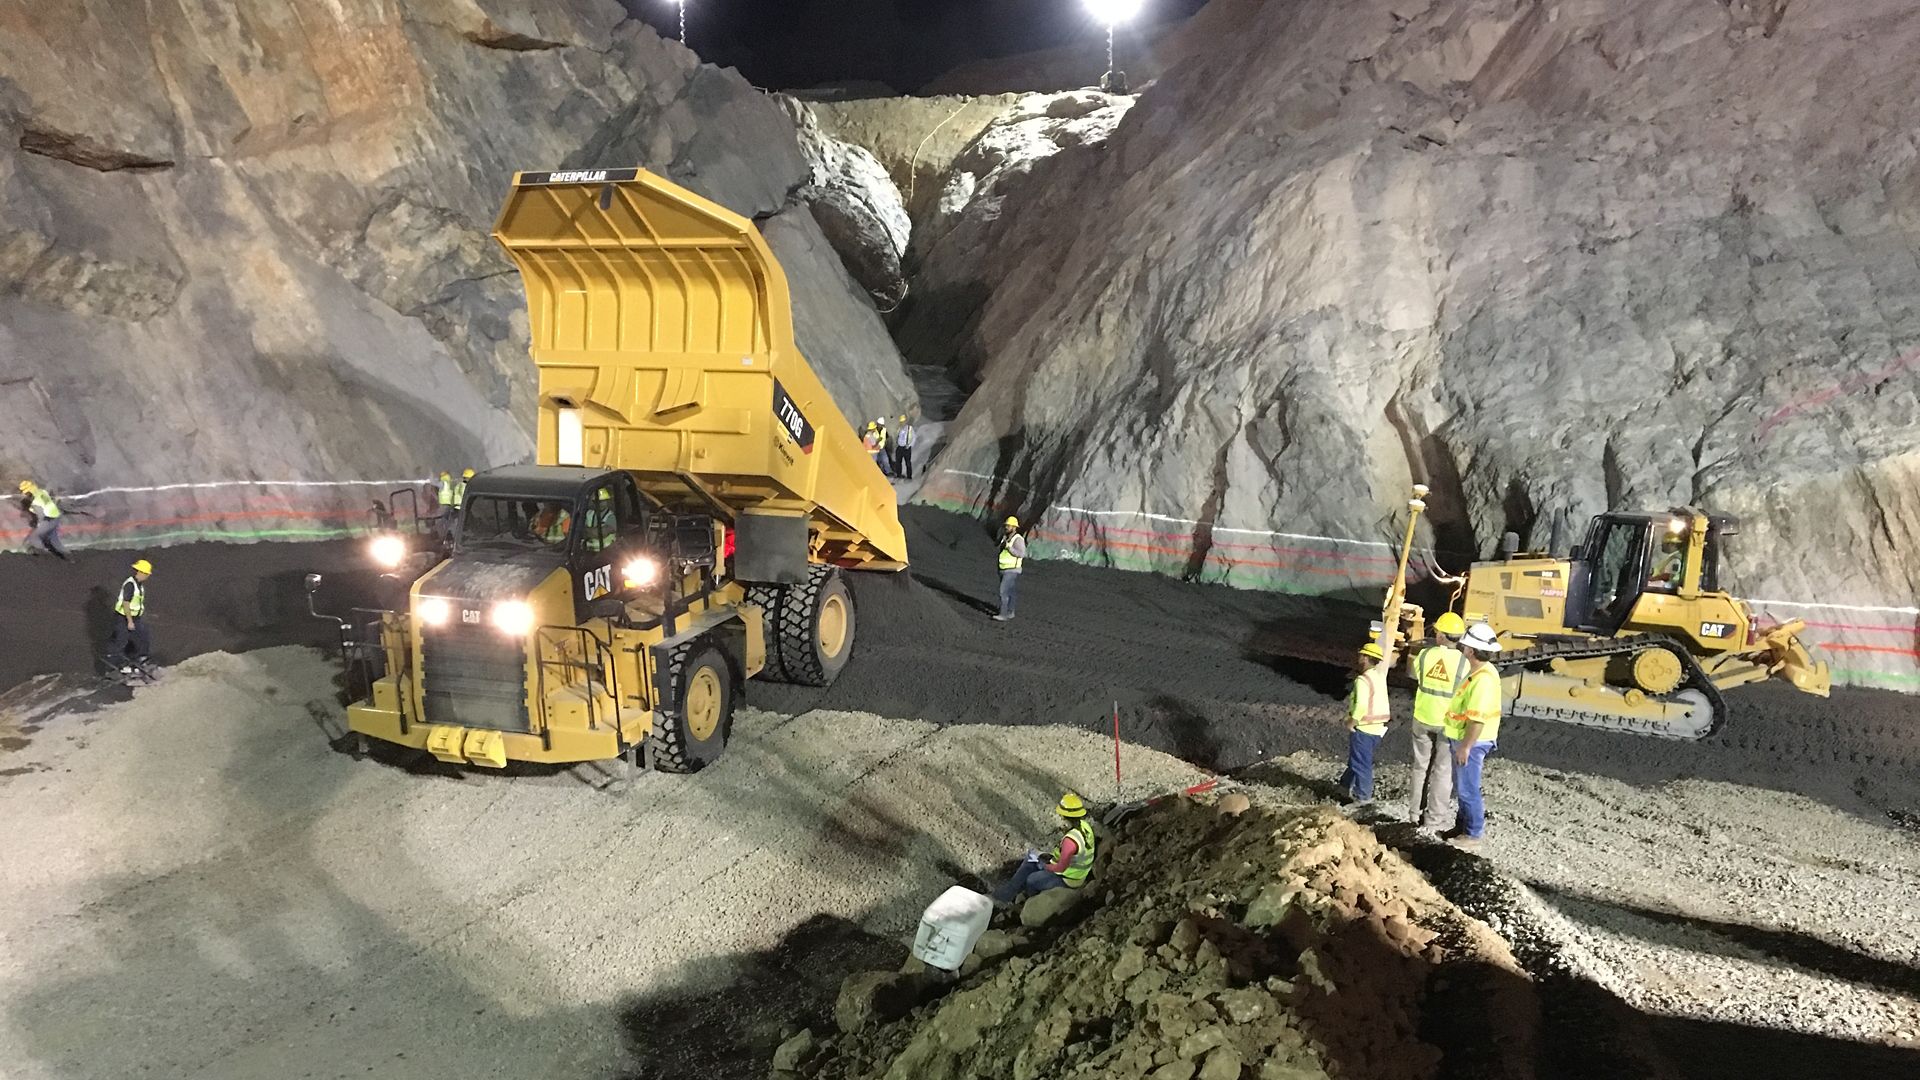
<point>1222,943</point>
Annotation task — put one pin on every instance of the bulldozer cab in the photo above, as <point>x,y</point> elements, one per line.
<point>1629,557</point>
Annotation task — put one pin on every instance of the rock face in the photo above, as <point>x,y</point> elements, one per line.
<point>1003,186</point>
<point>916,139</point>
<point>1545,256</point>
<point>255,244</point>
<point>857,205</point>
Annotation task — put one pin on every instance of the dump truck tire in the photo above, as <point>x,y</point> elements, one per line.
<point>770,599</point>
<point>691,735</point>
<point>815,628</point>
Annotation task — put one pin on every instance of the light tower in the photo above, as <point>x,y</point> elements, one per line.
<point>1112,13</point>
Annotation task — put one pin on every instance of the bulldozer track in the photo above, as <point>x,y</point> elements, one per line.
<point>1588,649</point>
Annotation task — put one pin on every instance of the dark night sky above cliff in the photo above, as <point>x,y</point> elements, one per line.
<point>787,44</point>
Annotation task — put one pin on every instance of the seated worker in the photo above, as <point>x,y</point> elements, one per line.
<point>601,526</point>
<point>552,523</point>
<point>1669,562</point>
<point>1069,864</point>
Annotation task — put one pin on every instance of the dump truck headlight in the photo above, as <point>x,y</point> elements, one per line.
<point>640,572</point>
<point>388,551</point>
<point>434,611</point>
<point>515,617</point>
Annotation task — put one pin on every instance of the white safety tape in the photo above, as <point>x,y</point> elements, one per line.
<point>206,485</point>
<point>1143,515</point>
<point>1839,607</point>
<point>1376,544</point>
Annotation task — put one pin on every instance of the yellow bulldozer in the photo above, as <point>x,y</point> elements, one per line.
<point>1633,632</point>
<point>695,500</point>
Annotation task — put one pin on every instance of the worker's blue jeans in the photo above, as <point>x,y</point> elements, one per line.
<point>1357,781</point>
<point>1009,585</point>
<point>46,534</point>
<point>1466,786</point>
<point>1030,877</point>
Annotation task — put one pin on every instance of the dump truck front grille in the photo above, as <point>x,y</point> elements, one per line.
<point>475,677</point>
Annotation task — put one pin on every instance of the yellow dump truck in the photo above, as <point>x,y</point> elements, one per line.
<point>695,500</point>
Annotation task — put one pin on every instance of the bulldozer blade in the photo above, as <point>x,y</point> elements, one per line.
<point>1795,664</point>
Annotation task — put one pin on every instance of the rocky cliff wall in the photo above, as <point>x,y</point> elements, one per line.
<point>250,240</point>
<point>1546,256</point>
<point>916,139</point>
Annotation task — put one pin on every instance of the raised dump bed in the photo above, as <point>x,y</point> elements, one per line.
<point>663,330</point>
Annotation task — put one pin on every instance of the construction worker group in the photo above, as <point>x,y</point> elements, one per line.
<point>1456,714</point>
<point>892,450</point>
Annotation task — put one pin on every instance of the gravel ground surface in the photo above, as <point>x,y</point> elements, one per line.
<point>197,884</point>
<point>1706,904</point>
<point>200,877</point>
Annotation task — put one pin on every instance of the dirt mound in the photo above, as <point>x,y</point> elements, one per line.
<point>1279,944</point>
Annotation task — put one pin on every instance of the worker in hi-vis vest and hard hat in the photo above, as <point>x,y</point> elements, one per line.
<point>130,635</point>
<point>45,509</point>
<point>1473,726</point>
<point>1367,717</point>
<point>1437,670</point>
<point>1068,865</point>
<point>1013,552</point>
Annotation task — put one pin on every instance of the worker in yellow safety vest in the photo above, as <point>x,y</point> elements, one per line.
<point>1367,716</point>
<point>45,509</point>
<point>1068,865</point>
<point>460,489</point>
<point>600,527</point>
<point>1438,671</point>
<point>552,522</point>
<point>130,620</point>
<point>1473,729</point>
<point>1013,554</point>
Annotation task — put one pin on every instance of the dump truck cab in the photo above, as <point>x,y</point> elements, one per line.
<point>695,497</point>
<point>591,522</point>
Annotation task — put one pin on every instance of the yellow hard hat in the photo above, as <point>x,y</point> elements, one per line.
<point>1450,624</point>
<point>142,566</point>
<point>1372,649</point>
<point>26,486</point>
<point>903,418</point>
<point>606,494</point>
<point>1013,523</point>
<point>467,474</point>
<point>1071,806</point>
<point>445,476</point>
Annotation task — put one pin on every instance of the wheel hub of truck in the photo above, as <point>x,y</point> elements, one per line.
<point>703,704</point>
<point>833,626</point>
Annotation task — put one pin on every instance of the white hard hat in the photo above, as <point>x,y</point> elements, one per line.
<point>1480,638</point>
